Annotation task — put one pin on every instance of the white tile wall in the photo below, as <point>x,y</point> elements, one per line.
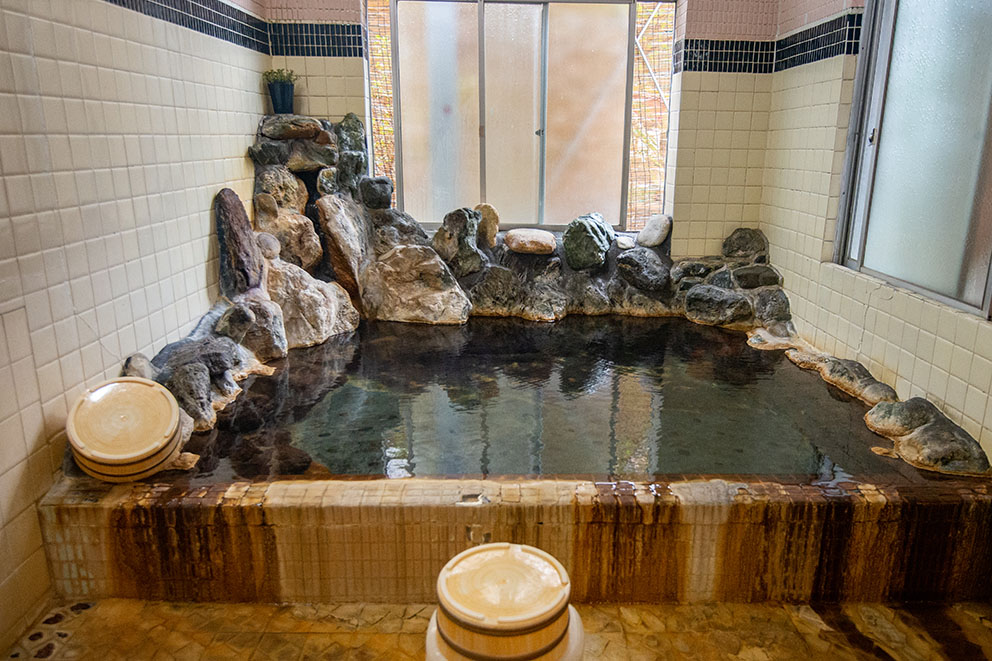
<point>116,131</point>
<point>716,147</point>
<point>329,87</point>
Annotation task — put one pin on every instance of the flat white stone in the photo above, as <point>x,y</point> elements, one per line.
<point>530,241</point>
<point>625,242</point>
<point>655,231</point>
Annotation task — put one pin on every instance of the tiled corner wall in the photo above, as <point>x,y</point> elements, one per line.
<point>716,154</point>
<point>116,131</point>
<point>792,164</point>
<point>913,343</point>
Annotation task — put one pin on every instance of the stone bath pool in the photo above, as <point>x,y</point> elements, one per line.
<point>600,397</point>
<point>659,460</point>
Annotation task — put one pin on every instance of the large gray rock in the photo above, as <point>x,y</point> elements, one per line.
<point>310,156</point>
<point>347,240</point>
<point>350,133</point>
<point>312,310</point>
<point>288,190</point>
<point>926,438</point>
<point>694,268</point>
<point>645,270</point>
<point>391,228</point>
<point>200,372</point>
<point>241,262</point>
<point>376,192</point>
<point>535,295</point>
<point>757,275</point>
<point>586,241</point>
<point>255,323</point>
<point>455,241</point>
<point>716,306</point>
<point>269,152</point>
<point>772,305</point>
<point>352,166</point>
<point>289,127</point>
<point>655,231</point>
<point>191,386</point>
<point>745,243</point>
<point>299,243</point>
<point>413,284</point>
<point>722,278</point>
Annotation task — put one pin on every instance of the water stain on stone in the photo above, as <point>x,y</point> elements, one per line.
<point>944,630</point>
<point>168,549</point>
<point>834,617</point>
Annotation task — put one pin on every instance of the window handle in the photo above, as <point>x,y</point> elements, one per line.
<point>539,132</point>
<point>871,136</point>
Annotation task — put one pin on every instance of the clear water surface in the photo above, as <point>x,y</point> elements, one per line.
<point>611,397</point>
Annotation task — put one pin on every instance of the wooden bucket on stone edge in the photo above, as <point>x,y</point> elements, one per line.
<point>124,429</point>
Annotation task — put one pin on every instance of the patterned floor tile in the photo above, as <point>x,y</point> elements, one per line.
<point>116,629</point>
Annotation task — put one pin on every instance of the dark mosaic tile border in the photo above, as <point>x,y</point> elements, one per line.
<point>219,19</point>
<point>316,39</point>
<point>838,36</point>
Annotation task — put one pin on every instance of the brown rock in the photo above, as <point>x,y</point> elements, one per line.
<point>530,241</point>
<point>489,224</point>
<point>326,138</point>
<point>288,190</point>
<point>241,261</point>
<point>288,127</point>
<point>299,243</point>
<point>348,244</point>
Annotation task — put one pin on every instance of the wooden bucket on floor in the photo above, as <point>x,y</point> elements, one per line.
<point>502,602</point>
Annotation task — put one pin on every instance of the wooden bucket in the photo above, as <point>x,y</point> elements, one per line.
<point>505,601</point>
<point>124,429</point>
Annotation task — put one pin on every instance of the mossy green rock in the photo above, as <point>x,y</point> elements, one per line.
<point>586,240</point>
<point>351,133</point>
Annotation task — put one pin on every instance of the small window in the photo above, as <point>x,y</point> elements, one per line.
<point>916,208</point>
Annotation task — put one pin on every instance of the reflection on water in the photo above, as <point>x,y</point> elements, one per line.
<point>608,396</point>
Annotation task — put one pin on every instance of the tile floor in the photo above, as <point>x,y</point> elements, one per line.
<point>134,630</point>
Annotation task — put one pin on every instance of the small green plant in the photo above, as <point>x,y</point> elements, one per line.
<point>280,76</point>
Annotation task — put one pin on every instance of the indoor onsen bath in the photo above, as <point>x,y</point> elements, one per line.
<point>413,329</point>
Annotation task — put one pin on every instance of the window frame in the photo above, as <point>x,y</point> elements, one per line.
<point>867,114</point>
<point>628,104</point>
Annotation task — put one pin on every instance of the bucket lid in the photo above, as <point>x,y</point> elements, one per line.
<point>122,420</point>
<point>503,586</point>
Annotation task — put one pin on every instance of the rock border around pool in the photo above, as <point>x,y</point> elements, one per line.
<point>921,434</point>
<point>327,249</point>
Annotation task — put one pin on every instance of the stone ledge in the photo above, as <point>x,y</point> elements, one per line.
<point>690,540</point>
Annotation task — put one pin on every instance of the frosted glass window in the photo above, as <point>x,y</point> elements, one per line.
<point>552,90</point>
<point>439,83</point>
<point>513,110</point>
<point>587,77</point>
<point>929,222</point>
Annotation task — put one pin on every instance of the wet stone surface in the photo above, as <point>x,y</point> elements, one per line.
<point>593,396</point>
<point>125,629</point>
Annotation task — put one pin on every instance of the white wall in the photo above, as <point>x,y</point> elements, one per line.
<point>116,131</point>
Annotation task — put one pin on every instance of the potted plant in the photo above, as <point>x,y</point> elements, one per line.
<point>280,82</point>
